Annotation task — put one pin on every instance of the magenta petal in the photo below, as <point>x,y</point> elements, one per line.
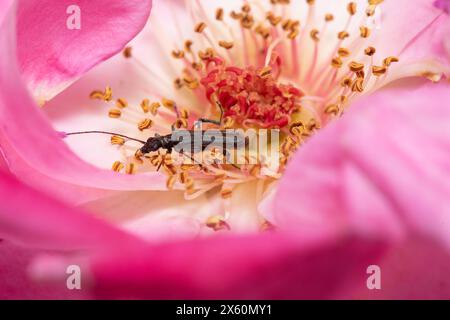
<point>52,55</point>
<point>382,169</point>
<point>15,282</point>
<point>30,218</point>
<point>443,4</point>
<point>269,266</point>
<point>417,269</point>
<point>30,137</point>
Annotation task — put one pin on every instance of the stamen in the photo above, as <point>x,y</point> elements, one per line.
<point>130,168</point>
<point>117,166</point>
<point>114,113</point>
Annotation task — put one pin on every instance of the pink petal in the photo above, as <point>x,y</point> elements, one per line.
<point>15,282</point>
<point>269,266</point>
<point>28,134</point>
<point>443,4</point>
<point>30,218</point>
<point>417,34</point>
<point>52,56</point>
<point>382,169</point>
<point>416,269</point>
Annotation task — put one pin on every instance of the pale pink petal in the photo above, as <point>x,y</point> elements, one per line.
<point>30,218</point>
<point>383,168</point>
<point>157,216</point>
<point>418,34</point>
<point>52,55</point>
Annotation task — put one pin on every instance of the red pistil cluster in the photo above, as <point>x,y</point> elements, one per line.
<point>251,96</point>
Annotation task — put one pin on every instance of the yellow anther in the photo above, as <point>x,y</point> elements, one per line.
<point>226,44</point>
<point>127,52</point>
<point>246,8</point>
<point>145,124</point>
<point>97,94</point>
<point>247,22</point>
<point>178,54</point>
<point>138,156</point>
<point>184,113</point>
<point>181,123</point>
<point>343,99</point>
<point>154,108</point>
<point>130,168</point>
<point>200,27</point>
<point>117,166</point>
<point>370,51</point>
<point>356,66</point>
<point>293,34</point>
<point>145,105</point>
<point>107,95</point>
<point>188,45</point>
<point>336,62</point>
<point>121,103</point>
<point>274,20</point>
<point>314,34</point>
<point>114,113</point>
<point>192,83</point>
<point>346,82</point>
<point>265,72</point>
<point>116,140</point>
<point>170,104</point>
<point>360,74</point>
<point>219,14</point>
<point>364,32</point>
<point>379,71</point>
<point>343,34</point>
<point>389,60</point>
<point>228,122</point>
<point>329,17</point>
<point>207,54</point>
<point>357,85</point>
<point>343,52</point>
<point>351,8</point>
<point>332,109</point>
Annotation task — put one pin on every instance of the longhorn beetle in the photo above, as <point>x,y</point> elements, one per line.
<point>209,138</point>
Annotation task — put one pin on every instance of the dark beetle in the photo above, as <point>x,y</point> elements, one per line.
<point>188,141</point>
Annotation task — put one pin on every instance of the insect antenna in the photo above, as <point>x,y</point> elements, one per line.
<point>104,132</point>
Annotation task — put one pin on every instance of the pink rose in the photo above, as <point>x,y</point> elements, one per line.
<point>354,190</point>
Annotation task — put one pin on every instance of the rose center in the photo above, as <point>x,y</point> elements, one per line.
<point>251,96</point>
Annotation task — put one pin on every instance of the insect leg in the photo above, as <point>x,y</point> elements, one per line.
<point>216,122</point>
<point>177,113</point>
